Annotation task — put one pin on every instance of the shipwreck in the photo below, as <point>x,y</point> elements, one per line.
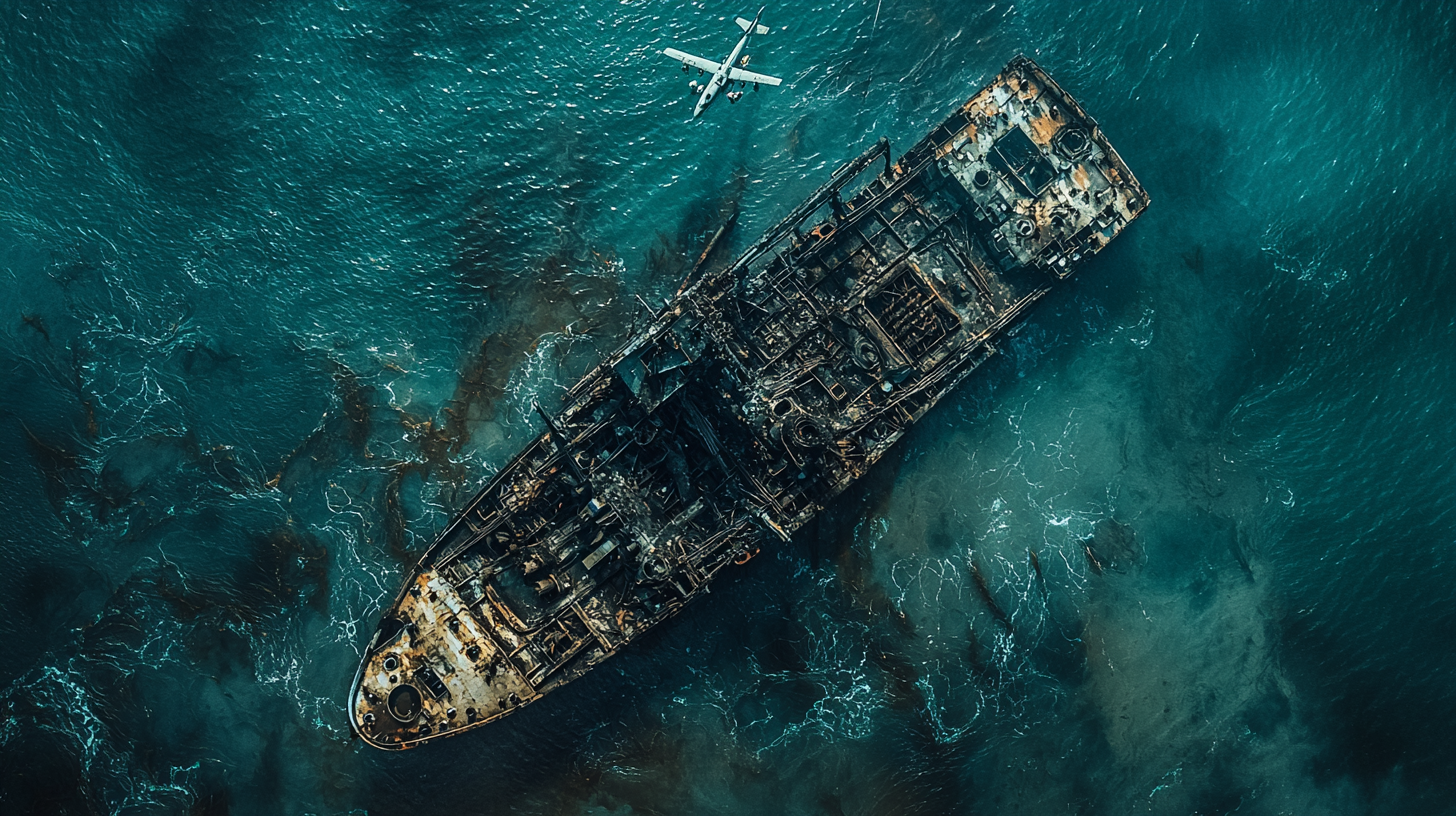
<point>751,399</point>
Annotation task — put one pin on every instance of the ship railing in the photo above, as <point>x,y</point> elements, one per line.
<point>827,193</point>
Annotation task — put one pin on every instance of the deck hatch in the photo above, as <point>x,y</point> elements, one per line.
<point>426,677</point>
<point>1016,156</point>
<point>913,315</point>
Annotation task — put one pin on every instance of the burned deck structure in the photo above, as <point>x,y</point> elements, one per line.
<point>752,398</point>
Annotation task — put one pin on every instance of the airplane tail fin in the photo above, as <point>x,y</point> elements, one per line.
<point>746,24</point>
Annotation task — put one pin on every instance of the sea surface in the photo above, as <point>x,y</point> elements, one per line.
<point>279,282</point>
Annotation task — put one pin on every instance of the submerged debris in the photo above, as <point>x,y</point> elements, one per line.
<point>758,393</point>
<point>983,589</point>
<point>1112,546</point>
<point>37,323</point>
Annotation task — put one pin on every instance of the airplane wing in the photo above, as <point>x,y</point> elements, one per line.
<point>696,62</point>
<point>740,75</point>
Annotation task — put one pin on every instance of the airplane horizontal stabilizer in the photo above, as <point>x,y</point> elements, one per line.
<point>744,24</point>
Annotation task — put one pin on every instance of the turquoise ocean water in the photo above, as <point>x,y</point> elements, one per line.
<point>279,282</point>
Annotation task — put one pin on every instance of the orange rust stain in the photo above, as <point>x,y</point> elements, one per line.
<point>1043,128</point>
<point>1080,177</point>
<point>966,134</point>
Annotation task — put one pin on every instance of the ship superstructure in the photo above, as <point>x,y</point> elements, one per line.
<point>751,399</point>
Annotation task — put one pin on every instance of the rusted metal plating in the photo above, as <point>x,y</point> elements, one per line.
<point>752,398</point>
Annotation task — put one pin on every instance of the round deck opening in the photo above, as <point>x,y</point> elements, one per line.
<point>1073,143</point>
<point>806,433</point>
<point>404,703</point>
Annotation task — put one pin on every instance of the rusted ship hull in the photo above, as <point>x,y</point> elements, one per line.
<point>754,397</point>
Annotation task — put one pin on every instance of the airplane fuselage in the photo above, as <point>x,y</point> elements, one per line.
<point>720,77</point>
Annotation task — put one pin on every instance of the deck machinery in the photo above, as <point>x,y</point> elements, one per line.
<point>755,395</point>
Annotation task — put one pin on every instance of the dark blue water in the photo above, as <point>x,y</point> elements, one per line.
<point>279,281</point>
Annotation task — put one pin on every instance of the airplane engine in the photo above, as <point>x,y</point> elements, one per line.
<point>693,87</point>
<point>685,67</point>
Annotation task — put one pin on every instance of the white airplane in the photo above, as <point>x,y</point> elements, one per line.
<point>727,72</point>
